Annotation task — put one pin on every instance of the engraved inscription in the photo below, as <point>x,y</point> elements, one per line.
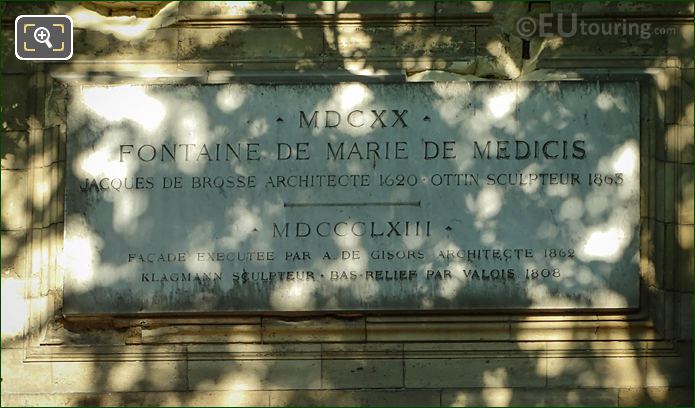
<point>353,197</point>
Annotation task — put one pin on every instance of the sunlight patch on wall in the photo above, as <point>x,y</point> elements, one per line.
<point>15,308</point>
<point>352,40</point>
<point>622,371</point>
<point>81,253</point>
<point>238,378</point>
<point>231,97</point>
<point>482,6</point>
<point>125,102</point>
<point>358,66</point>
<point>100,163</point>
<point>293,295</point>
<point>501,104</point>
<point>122,27</point>
<point>603,244</point>
<point>607,101</point>
<point>626,158</point>
<point>496,393</point>
<point>353,95</point>
<point>487,204</point>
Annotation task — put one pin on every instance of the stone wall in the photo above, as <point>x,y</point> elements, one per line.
<point>637,357</point>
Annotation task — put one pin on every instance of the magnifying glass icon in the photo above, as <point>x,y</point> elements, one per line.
<point>43,36</point>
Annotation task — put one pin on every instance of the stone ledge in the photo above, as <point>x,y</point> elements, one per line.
<point>217,333</point>
<point>313,330</point>
<point>347,351</point>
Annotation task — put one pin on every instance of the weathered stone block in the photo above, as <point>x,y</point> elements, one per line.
<point>685,198</point>
<point>396,398</point>
<point>219,333</point>
<point>401,41</point>
<point>49,151</point>
<point>475,372</point>
<point>663,371</point>
<point>254,374</point>
<point>687,107</point>
<point>20,377</point>
<point>56,108</point>
<point>445,8</point>
<point>239,43</point>
<point>15,311</point>
<point>679,139</point>
<point>680,43</point>
<point>529,397</point>
<point>14,150</point>
<point>606,46</point>
<point>466,349</point>
<point>624,330</point>
<point>119,376</point>
<point>669,251</point>
<point>15,206</point>
<point>362,373</point>
<point>14,249</point>
<point>665,189</point>
<point>238,398</point>
<point>367,8</point>
<point>315,398</point>
<point>215,10</point>
<point>361,351</point>
<point>235,398</point>
<point>148,44</point>
<point>313,330</point>
<point>685,143</point>
<point>554,331</point>
<point>603,7</point>
<point>14,9</point>
<point>645,190</point>
<point>656,299</point>
<point>607,397</point>
<point>255,351</point>
<point>600,372</point>
<point>499,54</point>
<point>684,257</point>
<point>652,254</point>
<point>672,142</point>
<point>654,188</point>
<point>361,8</point>
<point>35,400</point>
<point>672,96</point>
<point>655,396</point>
<point>685,317</point>
<point>15,110</point>
<point>497,331</point>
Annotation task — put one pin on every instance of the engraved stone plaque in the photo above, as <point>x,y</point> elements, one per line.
<point>352,197</point>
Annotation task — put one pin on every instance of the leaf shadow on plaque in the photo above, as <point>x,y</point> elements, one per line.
<point>485,208</point>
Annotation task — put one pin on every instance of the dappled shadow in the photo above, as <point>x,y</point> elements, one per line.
<point>119,170</point>
<point>164,115</point>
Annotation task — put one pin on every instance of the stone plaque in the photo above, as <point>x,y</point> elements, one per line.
<point>349,197</point>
